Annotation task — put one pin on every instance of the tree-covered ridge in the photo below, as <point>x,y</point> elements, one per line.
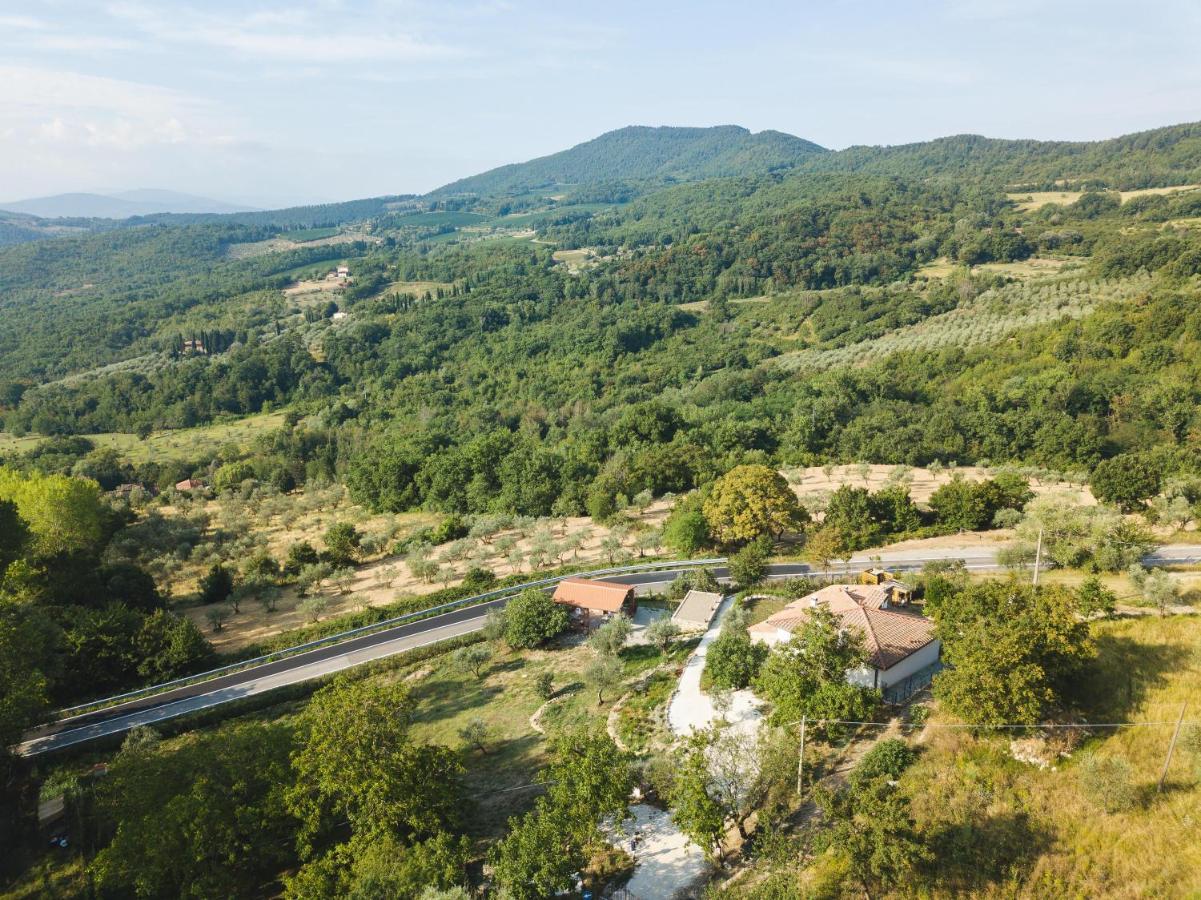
<point>640,153</point>
<point>1162,156</point>
<point>78,302</point>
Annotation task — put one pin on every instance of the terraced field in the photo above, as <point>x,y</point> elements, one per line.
<point>986,319</point>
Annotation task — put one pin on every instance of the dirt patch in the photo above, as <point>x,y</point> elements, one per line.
<point>814,484</point>
<point>282,244</point>
<point>316,289</point>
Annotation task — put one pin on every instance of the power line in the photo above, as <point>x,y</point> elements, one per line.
<point>1006,725</point>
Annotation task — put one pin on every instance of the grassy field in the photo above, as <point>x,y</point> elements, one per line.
<point>417,288</point>
<point>438,219</point>
<point>532,219</point>
<point>184,444</point>
<point>305,235</point>
<point>1034,199</point>
<point>999,827</point>
<point>575,260</point>
<point>1033,267</point>
<point>448,697</point>
<point>1146,669</point>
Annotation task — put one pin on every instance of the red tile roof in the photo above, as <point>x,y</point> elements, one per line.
<point>889,635</point>
<point>605,596</point>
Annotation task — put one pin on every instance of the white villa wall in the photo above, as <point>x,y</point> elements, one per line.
<point>870,677</point>
<point>911,664</point>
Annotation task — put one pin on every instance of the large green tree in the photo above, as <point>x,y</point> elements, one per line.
<point>358,763</point>
<point>1015,651</point>
<point>587,781</point>
<point>206,819</point>
<point>750,502</point>
<point>532,618</point>
<point>807,675</point>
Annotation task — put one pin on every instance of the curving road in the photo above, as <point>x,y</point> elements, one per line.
<point>258,679</point>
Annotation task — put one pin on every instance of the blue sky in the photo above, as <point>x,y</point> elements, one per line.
<point>277,103</point>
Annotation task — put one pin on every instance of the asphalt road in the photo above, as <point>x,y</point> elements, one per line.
<point>190,698</point>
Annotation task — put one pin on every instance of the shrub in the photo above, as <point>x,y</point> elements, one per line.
<point>216,585</point>
<point>533,618</point>
<point>449,529</point>
<point>686,529</point>
<point>693,580</point>
<point>1108,782</point>
<point>479,579</point>
<point>300,555</point>
<point>342,542</point>
<point>749,565</point>
<point>733,659</point>
<point>888,758</point>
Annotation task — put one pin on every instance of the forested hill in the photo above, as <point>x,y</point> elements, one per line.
<point>639,153</point>
<point>1157,158</point>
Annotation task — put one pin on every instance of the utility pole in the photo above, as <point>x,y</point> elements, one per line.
<point>1171,748</point>
<point>800,762</point>
<point>1038,556</point>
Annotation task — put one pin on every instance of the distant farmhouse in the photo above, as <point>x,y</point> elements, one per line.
<point>592,603</point>
<point>900,642</point>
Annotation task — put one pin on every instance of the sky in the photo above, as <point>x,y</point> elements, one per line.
<point>281,103</point>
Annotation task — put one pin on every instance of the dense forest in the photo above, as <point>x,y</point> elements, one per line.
<point>600,375</point>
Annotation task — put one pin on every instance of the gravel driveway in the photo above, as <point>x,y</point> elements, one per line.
<point>668,864</point>
<point>691,709</point>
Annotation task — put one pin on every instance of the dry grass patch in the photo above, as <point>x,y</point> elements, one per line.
<point>1038,827</point>
<point>283,244</point>
<point>504,698</point>
<point>1034,199</point>
<point>189,443</point>
<point>1033,267</point>
<point>417,288</point>
<point>813,484</point>
<point>576,260</point>
<point>384,578</point>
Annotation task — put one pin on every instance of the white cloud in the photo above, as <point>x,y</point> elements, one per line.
<point>51,106</point>
<point>22,23</point>
<point>79,43</point>
<point>282,35</point>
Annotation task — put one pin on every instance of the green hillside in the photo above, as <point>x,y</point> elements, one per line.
<point>640,153</point>
<point>1162,156</point>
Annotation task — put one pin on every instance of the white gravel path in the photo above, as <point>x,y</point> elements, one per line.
<point>691,709</point>
<point>668,864</point>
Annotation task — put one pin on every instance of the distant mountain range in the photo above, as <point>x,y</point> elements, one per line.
<point>123,205</point>
<point>640,153</point>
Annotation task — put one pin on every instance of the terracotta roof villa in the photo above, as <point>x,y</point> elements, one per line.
<point>900,643</point>
<point>592,602</point>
